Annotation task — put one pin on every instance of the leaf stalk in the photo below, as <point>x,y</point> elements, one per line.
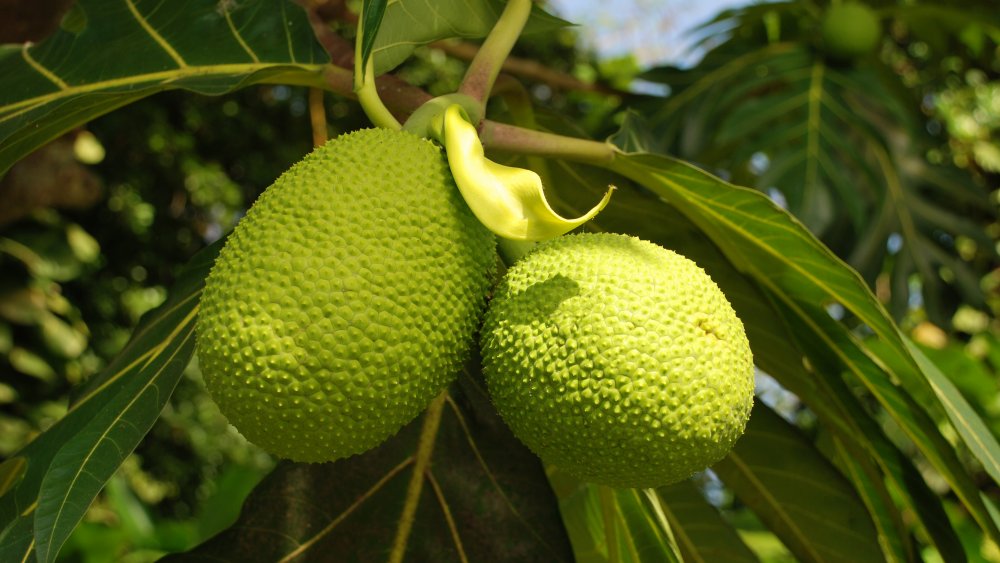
<point>485,66</point>
<point>364,84</point>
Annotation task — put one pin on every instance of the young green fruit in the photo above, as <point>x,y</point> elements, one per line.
<point>346,299</point>
<point>617,360</point>
<point>850,30</point>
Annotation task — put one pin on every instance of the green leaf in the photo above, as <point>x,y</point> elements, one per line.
<point>481,496</point>
<point>635,135</point>
<point>82,466</point>
<point>410,23</point>
<point>703,535</point>
<point>777,472</point>
<point>604,524</point>
<point>68,464</point>
<point>974,431</point>
<point>830,353</point>
<point>17,540</point>
<point>125,50</point>
<point>371,19</point>
<point>864,474</point>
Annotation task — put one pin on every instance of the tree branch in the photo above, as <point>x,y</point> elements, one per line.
<point>526,68</point>
<point>402,99</point>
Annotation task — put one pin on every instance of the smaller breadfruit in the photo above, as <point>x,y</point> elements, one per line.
<point>850,30</point>
<point>346,299</point>
<point>617,361</point>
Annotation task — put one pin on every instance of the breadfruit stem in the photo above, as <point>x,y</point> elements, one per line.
<point>509,201</point>
<point>518,140</point>
<point>513,250</point>
<point>485,66</point>
<point>364,86</point>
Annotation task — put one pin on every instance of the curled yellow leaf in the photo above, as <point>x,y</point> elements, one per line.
<point>509,201</point>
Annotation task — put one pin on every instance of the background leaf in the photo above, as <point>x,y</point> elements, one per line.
<point>68,464</point>
<point>841,145</point>
<point>484,497</point>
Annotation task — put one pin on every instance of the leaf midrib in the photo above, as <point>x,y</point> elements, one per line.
<point>165,76</point>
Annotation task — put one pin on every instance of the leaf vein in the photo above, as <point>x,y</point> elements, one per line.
<point>347,512</point>
<point>101,439</point>
<point>777,507</point>
<point>239,36</point>
<point>41,69</point>
<point>447,516</point>
<point>155,35</point>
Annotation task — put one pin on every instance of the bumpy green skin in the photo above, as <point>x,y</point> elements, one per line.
<point>850,30</point>
<point>617,361</point>
<point>346,299</point>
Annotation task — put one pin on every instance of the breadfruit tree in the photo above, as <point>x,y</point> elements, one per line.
<point>516,304</point>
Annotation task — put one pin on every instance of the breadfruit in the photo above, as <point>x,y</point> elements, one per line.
<point>617,361</point>
<point>850,30</point>
<point>346,299</point>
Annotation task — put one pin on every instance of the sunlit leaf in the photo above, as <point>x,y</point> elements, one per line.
<point>604,524</point>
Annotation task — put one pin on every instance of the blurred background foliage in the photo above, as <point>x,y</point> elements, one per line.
<point>855,149</point>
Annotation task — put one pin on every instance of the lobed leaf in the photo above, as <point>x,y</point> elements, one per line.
<point>482,496</point>
<point>109,53</point>
<point>841,145</point>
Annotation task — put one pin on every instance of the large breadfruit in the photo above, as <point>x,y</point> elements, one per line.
<point>346,299</point>
<point>617,360</point>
